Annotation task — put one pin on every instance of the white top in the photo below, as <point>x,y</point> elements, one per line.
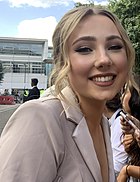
<point>119,154</point>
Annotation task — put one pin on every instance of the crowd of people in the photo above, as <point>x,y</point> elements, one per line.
<point>29,94</point>
<point>76,132</point>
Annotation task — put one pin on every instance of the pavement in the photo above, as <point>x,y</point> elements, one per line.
<point>5,112</point>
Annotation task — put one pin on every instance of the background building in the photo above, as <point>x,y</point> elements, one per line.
<point>23,59</point>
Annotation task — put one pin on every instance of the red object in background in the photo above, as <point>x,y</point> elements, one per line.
<point>8,99</point>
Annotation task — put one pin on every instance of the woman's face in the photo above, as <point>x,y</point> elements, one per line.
<point>98,59</point>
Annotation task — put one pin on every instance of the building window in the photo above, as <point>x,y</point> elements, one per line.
<point>7,67</point>
<point>48,68</point>
<point>38,67</point>
<point>24,67</point>
<point>30,49</point>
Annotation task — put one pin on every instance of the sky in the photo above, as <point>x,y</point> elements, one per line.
<point>34,18</point>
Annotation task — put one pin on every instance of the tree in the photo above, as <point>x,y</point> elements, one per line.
<point>1,72</point>
<point>128,13</point>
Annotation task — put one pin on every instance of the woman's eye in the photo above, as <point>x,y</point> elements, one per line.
<point>115,47</point>
<point>83,50</point>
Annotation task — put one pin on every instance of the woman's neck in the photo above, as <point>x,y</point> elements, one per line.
<point>92,110</point>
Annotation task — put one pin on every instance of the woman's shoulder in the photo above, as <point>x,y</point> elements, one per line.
<point>45,103</point>
<point>36,113</point>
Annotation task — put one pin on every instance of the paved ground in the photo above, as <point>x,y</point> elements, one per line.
<point>5,112</point>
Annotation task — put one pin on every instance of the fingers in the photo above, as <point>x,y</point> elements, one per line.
<point>134,120</point>
<point>127,140</point>
<point>126,127</point>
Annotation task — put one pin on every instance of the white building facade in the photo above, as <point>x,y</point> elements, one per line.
<point>23,59</point>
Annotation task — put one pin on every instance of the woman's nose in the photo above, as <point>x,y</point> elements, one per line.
<point>103,60</point>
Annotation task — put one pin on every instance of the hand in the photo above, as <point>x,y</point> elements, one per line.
<point>126,127</point>
<point>134,120</point>
<point>127,140</point>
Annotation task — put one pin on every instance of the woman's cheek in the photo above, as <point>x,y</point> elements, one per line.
<point>122,64</point>
<point>81,66</point>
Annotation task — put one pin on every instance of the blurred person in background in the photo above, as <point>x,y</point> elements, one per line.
<point>112,112</point>
<point>34,93</point>
<point>131,105</point>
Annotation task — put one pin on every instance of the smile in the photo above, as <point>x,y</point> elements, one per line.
<point>103,79</point>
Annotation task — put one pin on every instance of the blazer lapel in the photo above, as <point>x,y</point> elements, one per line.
<point>82,137</point>
<point>105,126</point>
<point>84,142</point>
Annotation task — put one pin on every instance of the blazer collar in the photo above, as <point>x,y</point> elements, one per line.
<point>84,142</point>
<point>82,135</point>
<point>72,110</point>
<point>106,130</point>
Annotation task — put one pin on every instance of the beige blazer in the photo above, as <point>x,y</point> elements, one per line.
<point>47,141</point>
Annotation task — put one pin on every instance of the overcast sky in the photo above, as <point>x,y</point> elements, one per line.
<point>34,18</point>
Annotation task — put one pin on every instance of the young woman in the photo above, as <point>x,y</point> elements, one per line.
<point>64,137</point>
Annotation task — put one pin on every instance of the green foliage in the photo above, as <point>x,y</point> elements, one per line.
<point>1,72</point>
<point>128,13</point>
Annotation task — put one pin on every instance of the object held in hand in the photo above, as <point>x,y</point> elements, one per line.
<point>132,121</point>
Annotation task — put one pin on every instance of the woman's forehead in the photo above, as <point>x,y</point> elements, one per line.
<point>95,25</point>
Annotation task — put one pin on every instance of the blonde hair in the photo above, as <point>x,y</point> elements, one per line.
<point>61,35</point>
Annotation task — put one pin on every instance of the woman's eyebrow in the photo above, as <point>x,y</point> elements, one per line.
<point>92,38</point>
<point>113,37</point>
<point>85,38</point>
